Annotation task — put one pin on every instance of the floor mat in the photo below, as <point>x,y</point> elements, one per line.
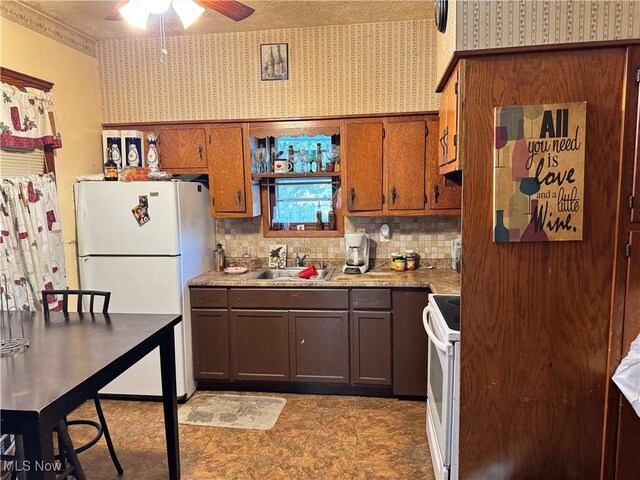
<point>232,411</point>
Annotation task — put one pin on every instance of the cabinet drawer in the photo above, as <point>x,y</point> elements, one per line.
<point>208,297</point>
<point>309,298</point>
<point>370,298</point>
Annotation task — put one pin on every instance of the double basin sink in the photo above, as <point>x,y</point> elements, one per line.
<point>291,273</point>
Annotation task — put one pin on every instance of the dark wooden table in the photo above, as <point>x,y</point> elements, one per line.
<point>70,359</point>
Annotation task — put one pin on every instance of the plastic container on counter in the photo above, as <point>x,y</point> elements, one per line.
<point>392,262</point>
<point>412,259</point>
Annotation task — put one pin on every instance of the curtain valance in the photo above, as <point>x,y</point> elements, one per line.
<point>27,118</point>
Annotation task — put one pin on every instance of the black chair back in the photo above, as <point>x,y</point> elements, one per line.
<point>92,294</point>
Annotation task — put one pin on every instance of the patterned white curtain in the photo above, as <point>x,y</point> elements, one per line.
<point>27,118</point>
<point>31,247</point>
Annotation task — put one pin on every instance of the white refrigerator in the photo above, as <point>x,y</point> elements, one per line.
<point>146,263</point>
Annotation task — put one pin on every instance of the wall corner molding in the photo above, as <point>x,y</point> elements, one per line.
<point>36,21</point>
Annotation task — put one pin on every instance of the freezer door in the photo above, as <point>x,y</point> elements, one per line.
<point>106,224</point>
<point>141,285</point>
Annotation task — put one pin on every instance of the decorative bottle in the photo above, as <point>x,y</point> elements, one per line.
<point>152,154</point>
<point>319,224</point>
<point>270,64</point>
<point>272,156</point>
<point>277,67</point>
<point>116,157</point>
<point>133,158</point>
<point>291,157</point>
<point>319,158</point>
<point>500,232</point>
<point>110,168</point>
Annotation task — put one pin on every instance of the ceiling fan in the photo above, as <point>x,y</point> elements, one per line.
<point>137,12</point>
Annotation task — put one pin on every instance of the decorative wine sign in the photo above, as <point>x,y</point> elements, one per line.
<point>539,172</point>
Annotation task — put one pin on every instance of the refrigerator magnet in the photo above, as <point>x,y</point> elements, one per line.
<point>143,200</point>
<point>140,214</point>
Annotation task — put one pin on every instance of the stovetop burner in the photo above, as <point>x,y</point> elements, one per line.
<point>449,307</point>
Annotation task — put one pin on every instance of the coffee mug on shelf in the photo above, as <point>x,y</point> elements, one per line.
<point>281,166</point>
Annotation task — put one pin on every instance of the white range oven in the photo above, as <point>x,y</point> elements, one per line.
<point>441,320</point>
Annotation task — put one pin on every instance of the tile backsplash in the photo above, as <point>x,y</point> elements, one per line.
<point>430,237</point>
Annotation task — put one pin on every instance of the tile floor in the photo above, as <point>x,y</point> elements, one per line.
<point>316,437</point>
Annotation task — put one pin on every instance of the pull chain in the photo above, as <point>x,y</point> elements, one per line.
<point>163,42</point>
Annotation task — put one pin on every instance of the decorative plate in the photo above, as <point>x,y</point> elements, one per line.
<point>236,270</point>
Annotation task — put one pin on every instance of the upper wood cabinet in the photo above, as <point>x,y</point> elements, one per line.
<point>182,150</point>
<point>229,166</point>
<point>362,157</point>
<point>405,164</point>
<point>444,195</point>
<point>392,168</point>
<point>450,112</point>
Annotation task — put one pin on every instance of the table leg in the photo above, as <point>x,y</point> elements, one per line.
<point>170,402</point>
<point>38,452</point>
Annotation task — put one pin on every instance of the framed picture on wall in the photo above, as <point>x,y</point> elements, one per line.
<point>274,61</point>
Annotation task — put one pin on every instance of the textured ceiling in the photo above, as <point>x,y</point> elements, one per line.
<point>87,16</point>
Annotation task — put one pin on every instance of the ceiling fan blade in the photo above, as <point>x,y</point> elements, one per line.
<point>115,13</point>
<point>230,8</point>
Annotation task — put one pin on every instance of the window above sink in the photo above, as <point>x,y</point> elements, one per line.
<point>300,188</point>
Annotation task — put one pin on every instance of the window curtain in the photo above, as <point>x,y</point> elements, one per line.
<point>27,118</point>
<point>31,247</point>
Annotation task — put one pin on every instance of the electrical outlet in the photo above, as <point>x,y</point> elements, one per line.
<point>300,227</point>
<point>385,233</point>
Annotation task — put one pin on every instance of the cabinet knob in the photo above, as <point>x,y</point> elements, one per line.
<point>353,195</point>
<point>200,150</point>
<point>394,195</point>
<point>239,196</point>
<point>436,193</point>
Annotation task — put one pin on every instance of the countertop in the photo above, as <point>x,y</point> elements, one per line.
<point>438,280</point>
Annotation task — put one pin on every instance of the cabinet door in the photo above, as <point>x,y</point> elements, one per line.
<point>449,113</point>
<point>628,460</point>
<point>260,345</point>
<point>226,155</point>
<point>362,153</point>
<point>319,346</point>
<point>405,164</point>
<point>635,106</point>
<point>371,348</point>
<point>182,150</point>
<point>210,344</point>
<point>409,342</point>
<point>444,195</point>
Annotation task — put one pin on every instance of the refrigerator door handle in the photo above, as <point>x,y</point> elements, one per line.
<point>81,206</point>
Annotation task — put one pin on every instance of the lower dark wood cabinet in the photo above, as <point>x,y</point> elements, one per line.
<point>319,346</point>
<point>260,345</point>
<point>371,348</point>
<point>409,342</point>
<point>210,344</point>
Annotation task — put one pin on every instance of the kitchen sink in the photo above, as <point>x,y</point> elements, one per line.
<point>291,273</point>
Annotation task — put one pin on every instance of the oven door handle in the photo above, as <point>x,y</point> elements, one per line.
<point>439,344</point>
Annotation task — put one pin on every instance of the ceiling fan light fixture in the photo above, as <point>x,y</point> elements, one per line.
<point>187,10</point>
<point>136,14</point>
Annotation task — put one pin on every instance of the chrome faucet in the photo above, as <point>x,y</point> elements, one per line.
<point>300,260</point>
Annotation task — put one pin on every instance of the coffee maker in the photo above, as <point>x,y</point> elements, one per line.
<point>357,253</point>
